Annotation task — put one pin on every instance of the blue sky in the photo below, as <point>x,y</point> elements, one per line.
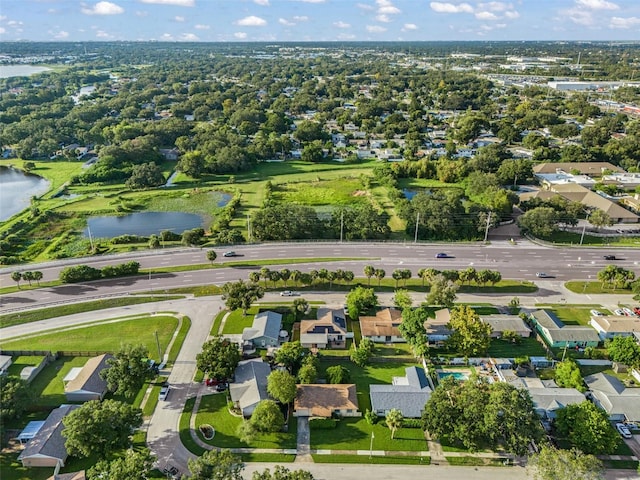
<point>318,20</point>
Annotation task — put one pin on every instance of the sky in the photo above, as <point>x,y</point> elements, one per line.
<point>318,20</point>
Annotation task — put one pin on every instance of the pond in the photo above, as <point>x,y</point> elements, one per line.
<point>142,224</point>
<point>8,71</point>
<point>16,190</point>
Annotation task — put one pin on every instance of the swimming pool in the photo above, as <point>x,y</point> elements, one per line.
<point>456,375</point>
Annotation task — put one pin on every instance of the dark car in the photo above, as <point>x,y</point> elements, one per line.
<point>171,471</point>
<point>221,387</point>
<point>609,257</point>
<point>442,255</point>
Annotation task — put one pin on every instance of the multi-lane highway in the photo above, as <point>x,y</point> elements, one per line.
<point>516,261</point>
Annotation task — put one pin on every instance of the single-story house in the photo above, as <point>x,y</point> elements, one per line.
<point>409,394</point>
<point>609,326</point>
<point>547,400</point>
<point>30,431</point>
<point>85,383</point>
<point>326,400</point>
<point>264,331</point>
<point>558,335</point>
<point>437,328</point>
<point>595,169</point>
<point>328,330</point>
<point>46,448</point>
<point>383,327</point>
<point>170,154</point>
<point>610,394</point>
<point>250,385</point>
<point>503,323</point>
<point>5,363</point>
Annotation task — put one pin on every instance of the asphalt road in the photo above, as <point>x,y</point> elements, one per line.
<point>520,261</point>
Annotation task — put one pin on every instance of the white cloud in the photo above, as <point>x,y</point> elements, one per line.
<point>386,7</point>
<point>376,29</point>
<point>189,37</point>
<point>346,36</point>
<point>240,35</point>
<point>251,21</point>
<point>512,14</point>
<point>178,18</point>
<point>581,17</point>
<point>102,8</point>
<point>486,16</point>
<point>495,6</point>
<point>3,30</point>
<point>341,24</point>
<point>285,22</point>
<point>383,18</point>
<point>597,4</point>
<point>59,35</point>
<point>14,23</point>
<point>312,1</point>
<point>364,6</point>
<point>200,26</point>
<point>442,7</point>
<point>178,3</point>
<point>619,22</point>
<point>264,3</point>
<point>141,13</point>
<point>102,34</point>
<point>3,18</point>
<point>301,18</point>
<point>409,26</point>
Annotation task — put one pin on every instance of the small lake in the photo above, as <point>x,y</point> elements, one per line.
<point>7,71</point>
<point>143,224</point>
<point>16,190</point>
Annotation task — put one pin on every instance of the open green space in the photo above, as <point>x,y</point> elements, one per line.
<point>470,461</point>
<point>594,288</point>
<point>104,337</point>
<point>236,321</point>
<point>185,430</point>
<point>214,411</point>
<point>19,318</point>
<point>571,238</point>
<point>374,460</point>
<point>529,347</point>
<point>571,315</point>
<point>179,339</point>
<point>22,361</point>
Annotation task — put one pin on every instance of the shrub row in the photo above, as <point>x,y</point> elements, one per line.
<point>84,273</point>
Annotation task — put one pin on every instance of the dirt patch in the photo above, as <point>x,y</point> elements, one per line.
<point>360,193</point>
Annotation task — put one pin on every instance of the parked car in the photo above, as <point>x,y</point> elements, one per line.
<point>230,254</point>
<point>618,311</point>
<point>442,255</point>
<point>541,275</point>
<point>221,387</point>
<point>596,313</point>
<point>164,392</point>
<point>171,471</point>
<point>212,382</point>
<point>636,310</point>
<point>628,312</point>
<point>610,257</point>
<point>623,430</point>
<point>288,293</point>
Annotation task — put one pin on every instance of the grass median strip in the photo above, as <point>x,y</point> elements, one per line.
<point>374,460</point>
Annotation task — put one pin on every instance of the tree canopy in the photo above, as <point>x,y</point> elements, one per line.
<point>128,370</point>
<point>219,358</point>
<point>471,336</point>
<point>588,428</point>
<point>559,464</point>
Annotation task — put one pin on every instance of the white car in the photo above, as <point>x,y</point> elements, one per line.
<point>288,293</point>
<point>628,312</point>
<point>623,430</point>
<point>164,392</point>
<point>541,275</point>
<point>596,313</point>
<point>618,312</point>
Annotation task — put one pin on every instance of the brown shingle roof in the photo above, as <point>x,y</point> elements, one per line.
<point>384,324</point>
<point>585,168</point>
<point>322,400</point>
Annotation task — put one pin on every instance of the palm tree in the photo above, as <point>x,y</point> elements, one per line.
<point>16,277</point>
<point>323,274</point>
<point>274,276</point>
<point>405,274</point>
<point>295,276</point>
<point>28,276</point>
<point>369,271</point>
<point>266,274</point>
<point>254,277</point>
<point>285,274</point>
<point>379,274</point>
<point>422,274</point>
<point>37,276</point>
<point>331,276</point>
<point>314,275</point>
<point>397,275</point>
<point>394,420</point>
<point>211,256</point>
<point>348,276</point>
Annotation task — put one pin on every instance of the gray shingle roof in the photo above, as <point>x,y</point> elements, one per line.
<point>551,399</point>
<point>410,397</point>
<point>614,397</point>
<point>49,440</point>
<point>547,319</point>
<point>265,324</point>
<point>250,386</point>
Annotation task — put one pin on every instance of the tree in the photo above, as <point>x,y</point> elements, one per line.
<point>299,307</point>
<point>37,276</point>
<point>599,218</point>
<point>128,370</point>
<point>100,427</point>
<point>402,299</point>
<point>28,276</point>
<point>369,271</point>
<point>15,397</point>
<point>539,221</point>
<point>442,291</point>
<point>379,274</point>
<point>394,420</point>
<point>588,428</point>
<point>144,176</point>
<point>471,336</point>
<point>282,473</point>
<point>267,417</point>
<point>360,300</point>
<point>624,350</point>
<point>133,465</point>
<point>281,386</point>
<point>308,372</point>
<point>216,465</point>
<point>16,277</point>
<point>241,294</point>
<point>559,464</point>
<point>211,256</point>
<point>290,355</point>
<point>567,375</point>
<point>397,275</point>
<point>412,328</point>
<point>338,374</point>
<point>219,358</point>
<point>361,354</point>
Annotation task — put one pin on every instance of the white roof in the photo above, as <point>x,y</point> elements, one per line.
<point>30,430</point>
<point>73,373</point>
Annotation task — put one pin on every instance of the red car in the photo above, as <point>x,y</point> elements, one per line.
<point>212,382</point>
<point>636,310</point>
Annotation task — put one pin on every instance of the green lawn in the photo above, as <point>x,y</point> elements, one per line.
<point>185,430</point>
<point>213,411</point>
<point>571,315</point>
<point>23,361</point>
<point>375,460</point>
<point>593,288</point>
<point>529,347</point>
<point>47,387</point>
<point>177,344</point>
<point>236,321</point>
<point>105,337</point>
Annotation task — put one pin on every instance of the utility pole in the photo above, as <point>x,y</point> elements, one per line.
<point>341,225</point>
<point>584,227</point>
<point>415,237</point>
<point>90,238</point>
<point>486,230</point>
<point>248,228</point>
<point>159,349</point>
<point>371,445</point>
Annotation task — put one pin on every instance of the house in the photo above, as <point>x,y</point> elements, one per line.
<point>85,383</point>
<point>503,323</point>
<point>437,328</point>
<point>30,431</point>
<point>46,448</point>
<point>326,400</point>
<point>264,331</point>
<point>609,326</point>
<point>409,394</point>
<point>610,394</point>
<point>5,363</point>
<point>546,401</point>
<point>558,335</point>
<point>250,385</point>
<point>329,330</point>
<point>595,169</point>
<point>383,327</point>
<point>170,154</point>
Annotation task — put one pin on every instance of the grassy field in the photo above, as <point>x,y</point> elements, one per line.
<point>236,321</point>
<point>185,430</point>
<point>529,347</point>
<point>213,411</point>
<point>594,288</point>
<point>105,337</point>
<point>574,315</point>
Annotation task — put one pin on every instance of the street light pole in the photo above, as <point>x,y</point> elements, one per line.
<point>371,445</point>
